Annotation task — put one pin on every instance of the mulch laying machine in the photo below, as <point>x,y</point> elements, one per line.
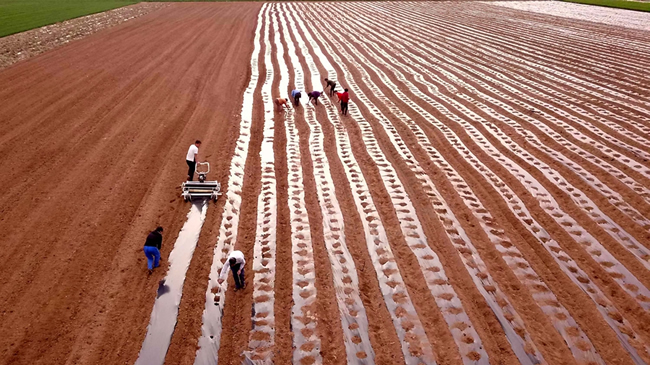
<point>201,189</point>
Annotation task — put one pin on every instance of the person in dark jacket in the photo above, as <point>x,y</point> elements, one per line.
<point>332,85</point>
<point>152,248</point>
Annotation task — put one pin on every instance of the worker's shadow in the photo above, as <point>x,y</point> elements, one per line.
<point>162,288</point>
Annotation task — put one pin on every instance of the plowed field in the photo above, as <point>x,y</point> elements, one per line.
<point>485,201</point>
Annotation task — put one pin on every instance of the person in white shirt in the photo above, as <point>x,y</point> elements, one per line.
<point>191,159</point>
<point>236,264</point>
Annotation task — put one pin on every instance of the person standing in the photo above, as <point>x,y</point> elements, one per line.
<point>191,159</point>
<point>332,85</point>
<point>152,248</point>
<point>236,264</point>
<point>344,97</point>
<point>295,95</point>
<point>314,95</point>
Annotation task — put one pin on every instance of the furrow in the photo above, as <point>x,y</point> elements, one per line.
<point>631,341</point>
<point>354,320</point>
<point>614,198</point>
<point>306,342</point>
<point>533,186</point>
<point>262,336</point>
<point>445,296</point>
<point>579,44</point>
<point>495,45</point>
<point>558,315</point>
<point>415,345</point>
<point>210,340</point>
<point>633,120</point>
<point>512,323</point>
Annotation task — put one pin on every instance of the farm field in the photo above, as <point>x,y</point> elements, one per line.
<point>486,200</point>
<point>20,15</point>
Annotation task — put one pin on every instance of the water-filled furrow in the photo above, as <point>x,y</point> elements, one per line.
<point>532,185</point>
<point>558,315</point>
<point>210,339</point>
<point>262,336</point>
<point>306,341</point>
<point>416,348</point>
<point>353,316</point>
<point>613,197</point>
<point>632,119</point>
<point>545,34</point>
<point>629,339</point>
<point>635,186</point>
<point>170,289</point>
<point>496,45</point>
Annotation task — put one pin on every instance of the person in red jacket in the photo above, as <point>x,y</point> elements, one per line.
<point>344,98</point>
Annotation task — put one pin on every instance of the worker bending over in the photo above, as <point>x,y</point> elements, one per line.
<point>296,94</point>
<point>236,264</point>
<point>314,95</point>
<point>332,85</point>
<point>281,103</point>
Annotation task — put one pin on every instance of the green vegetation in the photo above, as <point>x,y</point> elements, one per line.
<point>621,4</point>
<point>20,15</point>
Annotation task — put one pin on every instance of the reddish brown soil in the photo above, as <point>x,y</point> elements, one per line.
<point>92,139</point>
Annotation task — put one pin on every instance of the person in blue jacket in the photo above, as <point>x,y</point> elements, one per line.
<point>295,95</point>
